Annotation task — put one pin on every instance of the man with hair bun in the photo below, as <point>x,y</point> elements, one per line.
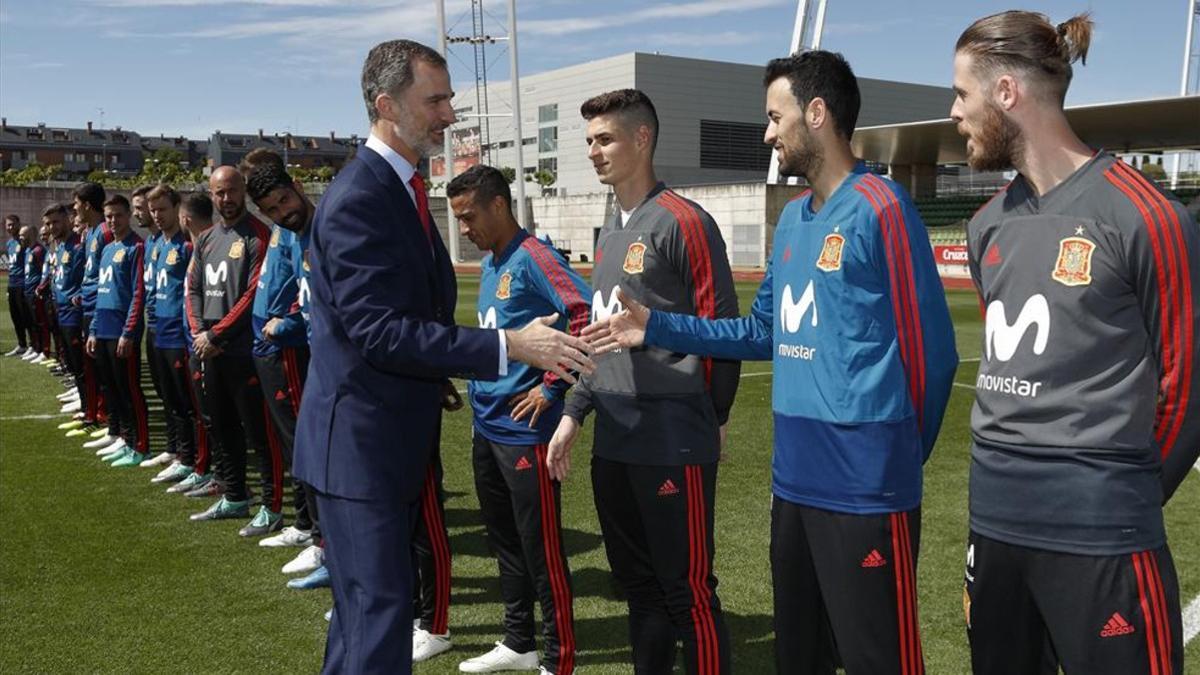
<point>1084,429</point>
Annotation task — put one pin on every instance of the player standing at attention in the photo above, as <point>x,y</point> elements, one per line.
<point>16,283</point>
<point>115,334</point>
<point>1086,414</point>
<point>515,416</point>
<point>659,416</point>
<point>853,314</point>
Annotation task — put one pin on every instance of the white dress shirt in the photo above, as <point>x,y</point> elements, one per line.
<point>405,171</point>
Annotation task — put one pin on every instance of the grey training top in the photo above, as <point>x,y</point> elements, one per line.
<point>1087,414</point>
<point>653,406</point>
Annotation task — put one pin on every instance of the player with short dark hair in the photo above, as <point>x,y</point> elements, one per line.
<point>659,418</point>
<point>16,284</point>
<point>89,207</point>
<point>853,314</point>
<point>115,333</point>
<point>68,275</point>
<point>522,279</point>
<point>1086,413</point>
<point>33,304</point>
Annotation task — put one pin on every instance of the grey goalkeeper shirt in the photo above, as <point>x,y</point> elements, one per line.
<point>1087,414</point>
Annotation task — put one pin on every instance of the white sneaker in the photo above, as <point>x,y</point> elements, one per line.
<point>309,559</point>
<point>38,360</point>
<point>158,460</point>
<point>102,442</point>
<point>501,658</point>
<point>289,536</point>
<point>68,395</point>
<point>165,472</point>
<point>72,407</point>
<point>16,351</point>
<point>426,645</point>
<point>329,615</point>
<point>30,355</point>
<point>111,447</point>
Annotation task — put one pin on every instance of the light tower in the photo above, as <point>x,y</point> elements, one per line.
<point>1190,77</point>
<point>479,39</point>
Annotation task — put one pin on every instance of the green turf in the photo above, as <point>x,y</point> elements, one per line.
<point>102,572</point>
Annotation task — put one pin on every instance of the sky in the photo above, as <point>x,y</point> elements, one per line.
<point>194,66</point>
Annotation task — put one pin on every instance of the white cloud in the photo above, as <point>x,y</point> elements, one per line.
<point>723,39</point>
<point>682,10</point>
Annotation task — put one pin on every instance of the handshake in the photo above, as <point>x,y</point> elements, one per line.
<point>541,346</point>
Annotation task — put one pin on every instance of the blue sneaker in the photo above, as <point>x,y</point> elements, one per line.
<point>318,578</point>
<point>223,508</point>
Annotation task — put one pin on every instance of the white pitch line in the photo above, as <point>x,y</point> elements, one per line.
<point>16,418</point>
<point>975,359</point>
<point>762,374</point>
<point>1191,620</point>
<point>964,386</point>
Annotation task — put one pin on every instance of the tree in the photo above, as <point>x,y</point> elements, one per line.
<point>32,173</point>
<point>544,178</point>
<point>509,173</point>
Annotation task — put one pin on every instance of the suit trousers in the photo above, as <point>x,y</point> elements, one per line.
<point>369,557</point>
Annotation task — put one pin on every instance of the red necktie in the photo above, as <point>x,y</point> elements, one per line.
<point>418,185</point>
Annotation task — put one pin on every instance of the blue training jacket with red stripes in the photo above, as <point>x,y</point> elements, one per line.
<point>1087,414</point>
<point>853,315</point>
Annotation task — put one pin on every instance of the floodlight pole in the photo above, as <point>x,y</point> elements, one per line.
<point>447,145</point>
<point>1189,53</point>
<point>519,141</point>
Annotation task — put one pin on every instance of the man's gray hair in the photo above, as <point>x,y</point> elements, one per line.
<point>389,70</point>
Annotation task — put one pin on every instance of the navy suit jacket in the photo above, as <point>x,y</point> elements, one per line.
<point>383,339</point>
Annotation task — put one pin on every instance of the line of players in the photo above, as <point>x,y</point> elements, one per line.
<point>845,524</point>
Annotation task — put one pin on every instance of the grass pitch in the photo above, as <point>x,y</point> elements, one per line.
<point>100,571</point>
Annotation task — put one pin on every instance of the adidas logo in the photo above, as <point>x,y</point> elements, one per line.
<point>874,559</point>
<point>667,488</point>
<point>1117,625</point>
<point>993,256</point>
<point>280,394</point>
<point>523,464</point>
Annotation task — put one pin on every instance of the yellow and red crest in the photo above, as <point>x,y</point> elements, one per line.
<point>1074,265</point>
<point>236,249</point>
<point>635,258</point>
<point>275,238</point>
<point>504,286</point>
<point>172,257</point>
<point>830,259</point>
<point>119,255</point>
<point>66,258</point>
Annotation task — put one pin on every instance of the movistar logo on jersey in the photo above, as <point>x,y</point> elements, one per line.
<point>601,310</point>
<point>302,294</point>
<point>488,319</point>
<point>792,312</point>
<point>1001,340</point>
<point>161,281</point>
<point>106,275</point>
<point>216,275</point>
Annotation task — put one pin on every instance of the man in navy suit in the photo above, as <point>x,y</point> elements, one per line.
<point>383,344</point>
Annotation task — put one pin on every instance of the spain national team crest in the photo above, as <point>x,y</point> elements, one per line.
<point>275,238</point>
<point>830,259</point>
<point>504,286</point>
<point>305,262</point>
<point>635,258</point>
<point>1074,266</point>
<point>119,255</point>
<point>154,255</point>
<point>236,249</point>
<point>94,244</point>
<point>66,258</point>
<point>172,257</point>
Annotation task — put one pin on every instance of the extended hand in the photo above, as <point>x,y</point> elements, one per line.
<point>532,402</point>
<point>451,401</point>
<point>268,330</point>
<point>545,348</point>
<point>624,330</point>
<point>558,455</point>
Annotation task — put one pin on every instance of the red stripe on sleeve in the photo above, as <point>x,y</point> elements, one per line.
<point>245,302</point>
<point>1172,384</point>
<point>700,259</point>
<point>578,310</point>
<point>139,289</point>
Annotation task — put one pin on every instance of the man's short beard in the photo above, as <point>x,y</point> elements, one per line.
<point>419,142</point>
<point>804,161</point>
<point>998,144</point>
